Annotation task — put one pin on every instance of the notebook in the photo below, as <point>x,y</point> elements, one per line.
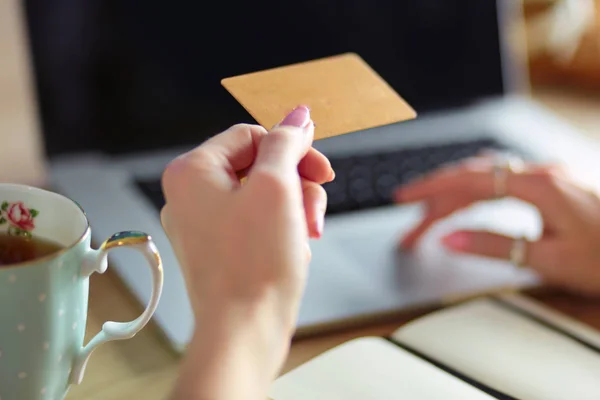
<point>498,347</point>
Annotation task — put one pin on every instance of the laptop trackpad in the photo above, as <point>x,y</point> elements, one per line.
<point>358,269</point>
<point>431,270</point>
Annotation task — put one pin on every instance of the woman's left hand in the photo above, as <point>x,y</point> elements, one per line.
<point>566,255</point>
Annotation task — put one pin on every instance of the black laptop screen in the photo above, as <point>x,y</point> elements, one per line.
<point>123,76</point>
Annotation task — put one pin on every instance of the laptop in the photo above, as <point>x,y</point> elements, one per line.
<point>124,87</point>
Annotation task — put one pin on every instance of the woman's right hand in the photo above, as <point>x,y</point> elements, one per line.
<point>568,252</point>
<point>244,249</point>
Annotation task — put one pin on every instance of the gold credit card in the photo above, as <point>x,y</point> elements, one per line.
<point>343,93</point>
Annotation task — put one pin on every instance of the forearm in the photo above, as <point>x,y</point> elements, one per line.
<point>234,355</point>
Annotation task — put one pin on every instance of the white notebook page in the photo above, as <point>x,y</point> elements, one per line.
<point>373,369</point>
<point>506,351</point>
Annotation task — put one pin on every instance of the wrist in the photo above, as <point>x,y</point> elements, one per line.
<point>264,315</point>
<point>243,343</point>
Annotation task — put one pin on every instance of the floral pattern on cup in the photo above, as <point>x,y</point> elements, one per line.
<point>20,219</point>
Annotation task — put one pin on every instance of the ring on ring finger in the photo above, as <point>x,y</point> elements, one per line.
<point>518,252</point>
<point>501,169</point>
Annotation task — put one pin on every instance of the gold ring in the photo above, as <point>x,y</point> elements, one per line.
<point>501,169</point>
<point>518,252</point>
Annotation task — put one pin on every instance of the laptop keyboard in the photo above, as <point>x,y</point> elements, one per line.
<point>368,181</point>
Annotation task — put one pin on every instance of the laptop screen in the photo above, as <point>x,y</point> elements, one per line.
<point>124,76</point>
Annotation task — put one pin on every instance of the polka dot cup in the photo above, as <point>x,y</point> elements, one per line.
<point>43,302</point>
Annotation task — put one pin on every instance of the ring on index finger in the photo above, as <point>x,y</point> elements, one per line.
<point>501,169</point>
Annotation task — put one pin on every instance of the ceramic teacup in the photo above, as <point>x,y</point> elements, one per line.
<point>44,301</point>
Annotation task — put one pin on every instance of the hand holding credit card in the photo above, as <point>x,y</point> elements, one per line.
<point>343,93</point>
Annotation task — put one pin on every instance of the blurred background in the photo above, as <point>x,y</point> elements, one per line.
<point>563,39</point>
<point>563,55</point>
<point>560,40</point>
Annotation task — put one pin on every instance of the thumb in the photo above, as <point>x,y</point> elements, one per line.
<point>497,246</point>
<point>282,149</point>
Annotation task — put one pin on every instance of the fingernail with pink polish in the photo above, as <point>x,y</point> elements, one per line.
<point>456,241</point>
<point>299,117</point>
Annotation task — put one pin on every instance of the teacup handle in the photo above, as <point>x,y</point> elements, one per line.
<point>97,262</point>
